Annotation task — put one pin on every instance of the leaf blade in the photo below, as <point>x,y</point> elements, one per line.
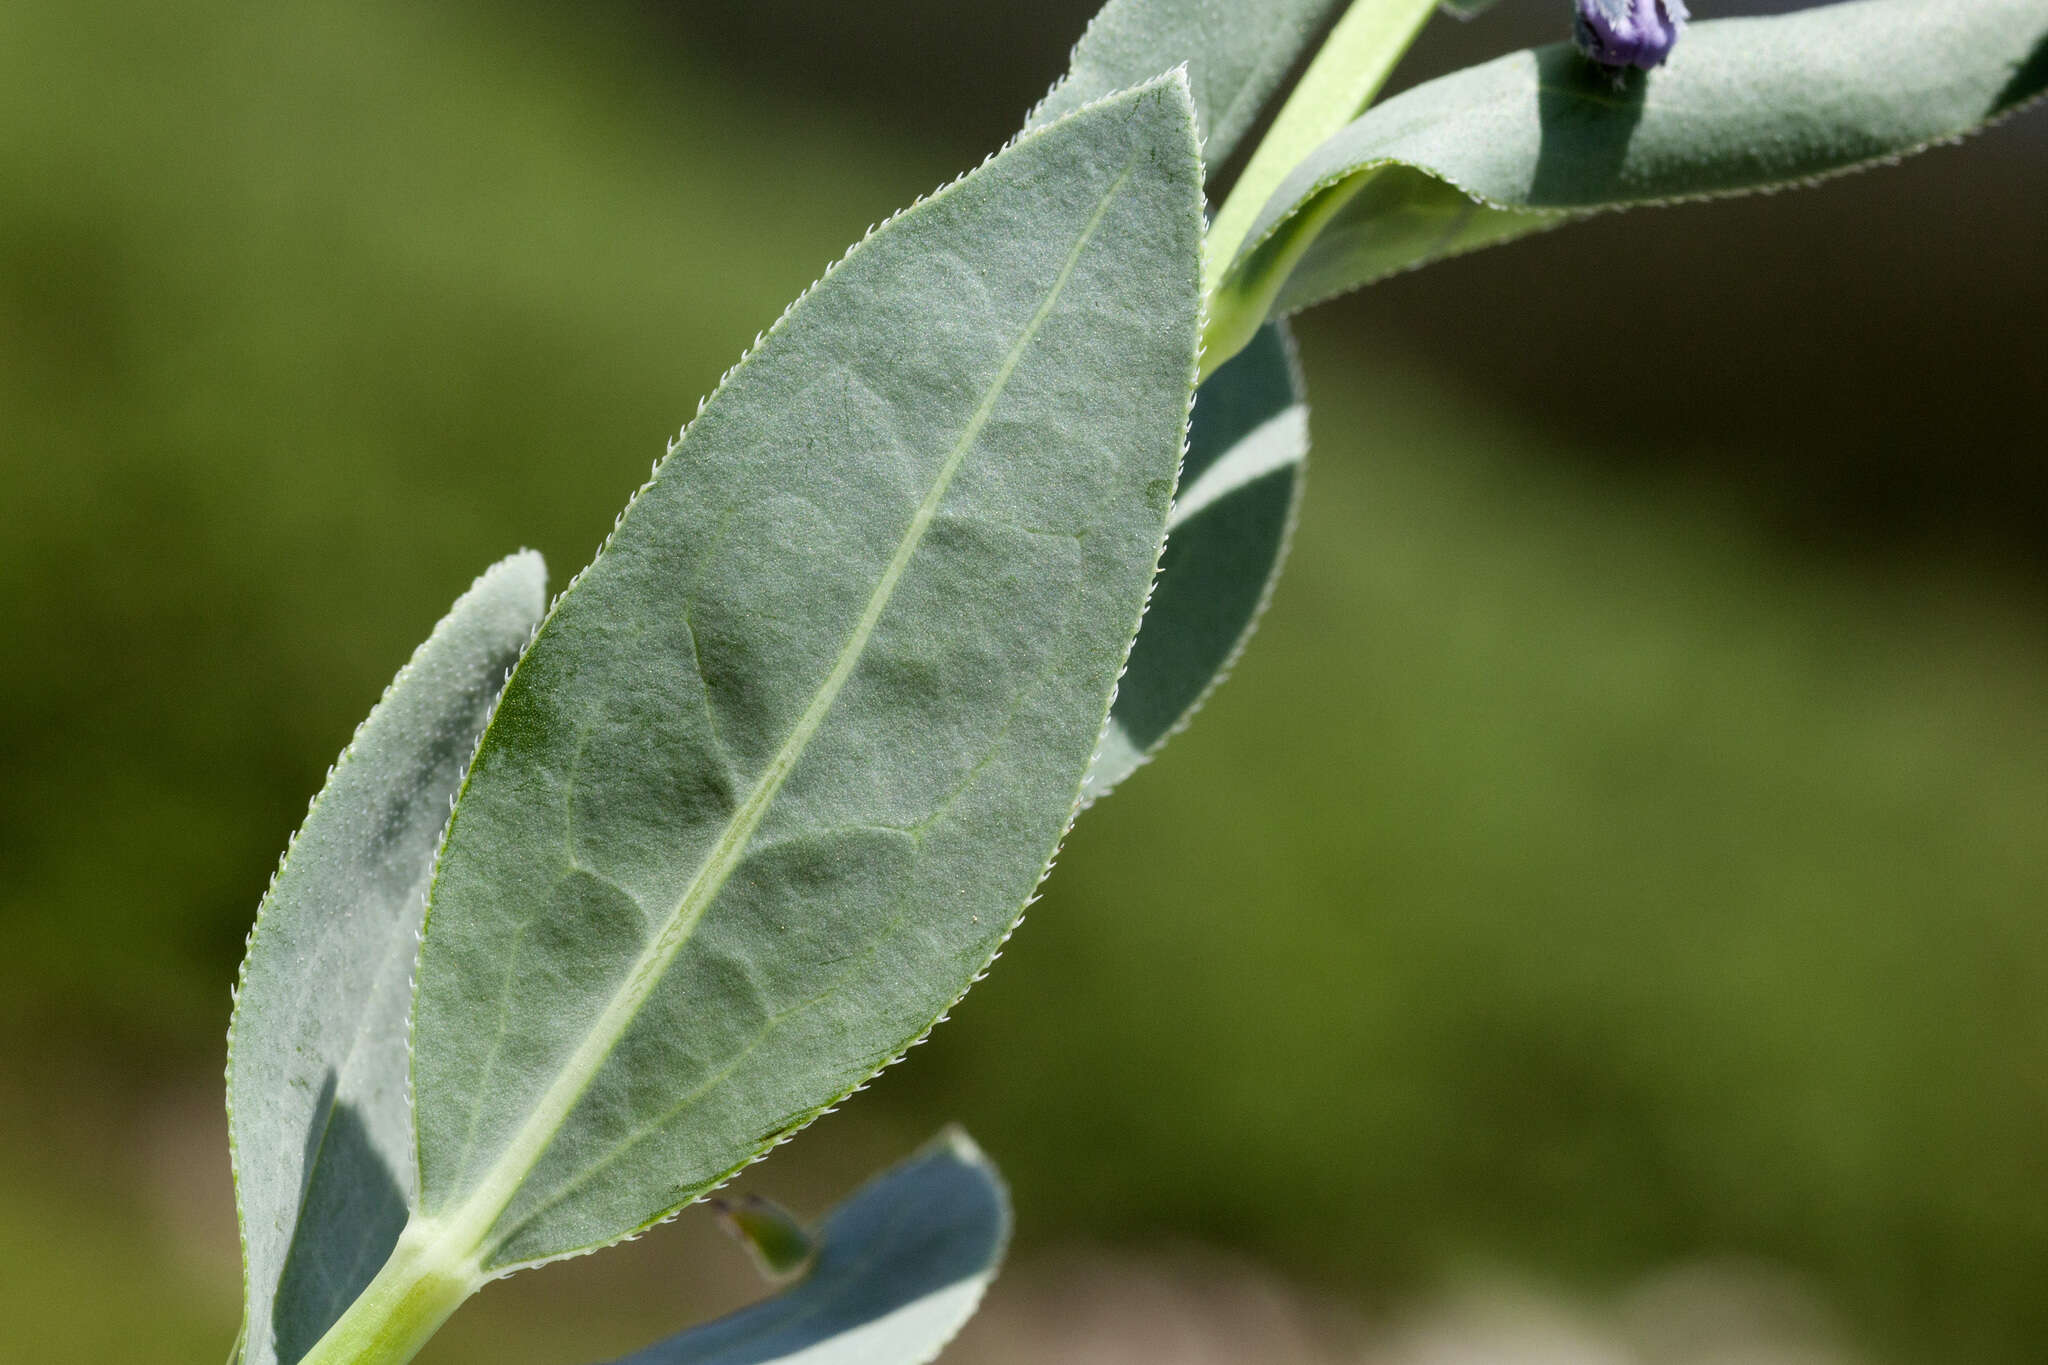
<point>901,1266</point>
<point>1538,138</point>
<point>318,1120</point>
<point>1236,57</point>
<point>1227,538</point>
<point>781,768</point>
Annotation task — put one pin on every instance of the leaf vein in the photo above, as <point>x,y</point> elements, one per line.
<point>493,1194</point>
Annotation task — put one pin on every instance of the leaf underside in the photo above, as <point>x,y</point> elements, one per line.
<point>782,767</point>
<point>1539,138</point>
<point>1241,480</point>
<point>1226,541</point>
<point>901,1266</point>
<point>1236,56</point>
<point>322,1139</point>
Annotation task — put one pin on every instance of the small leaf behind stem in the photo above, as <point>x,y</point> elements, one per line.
<point>1225,543</point>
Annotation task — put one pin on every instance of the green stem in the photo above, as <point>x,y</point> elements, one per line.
<point>1247,294</point>
<point>1347,73</point>
<point>416,1291</point>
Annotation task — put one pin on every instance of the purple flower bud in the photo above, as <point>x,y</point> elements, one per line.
<point>1618,33</point>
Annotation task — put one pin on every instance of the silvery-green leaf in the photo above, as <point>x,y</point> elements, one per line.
<point>317,1112</point>
<point>1236,55</point>
<point>900,1267</point>
<point>1225,542</point>
<point>782,767</point>
<point>1466,9</point>
<point>1218,572</point>
<point>1537,138</point>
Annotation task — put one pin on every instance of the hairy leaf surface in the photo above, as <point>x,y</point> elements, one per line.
<point>1225,543</point>
<point>1236,54</point>
<point>782,767</point>
<point>1219,567</point>
<point>1537,138</point>
<point>317,1112</point>
<point>900,1267</point>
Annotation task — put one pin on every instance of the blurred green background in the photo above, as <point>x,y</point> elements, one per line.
<point>1623,848</point>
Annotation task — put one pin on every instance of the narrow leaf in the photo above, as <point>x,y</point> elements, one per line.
<point>1236,56</point>
<point>782,767</point>
<point>901,1266</point>
<point>317,1111</point>
<point>1537,138</point>
<point>1220,568</point>
<point>1225,543</point>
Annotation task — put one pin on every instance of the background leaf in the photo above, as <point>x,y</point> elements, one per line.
<point>783,765</point>
<point>1530,140</point>
<point>901,1266</point>
<point>1220,568</point>
<point>1236,56</point>
<point>779,1243</point>
<point>318,1120</point>
<point>1226,540</point>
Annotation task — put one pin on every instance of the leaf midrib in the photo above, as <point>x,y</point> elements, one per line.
<point>478,1214</point>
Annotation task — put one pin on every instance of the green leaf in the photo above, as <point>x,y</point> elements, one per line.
<point>321,1136</point>
<point>1236,56</point>
<point>779,1244</point>
<point>782,767</point>
<point>1537,138</point>
<point>901,1266</point>
<point>1240,486</point>
<point>1219,569</point>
